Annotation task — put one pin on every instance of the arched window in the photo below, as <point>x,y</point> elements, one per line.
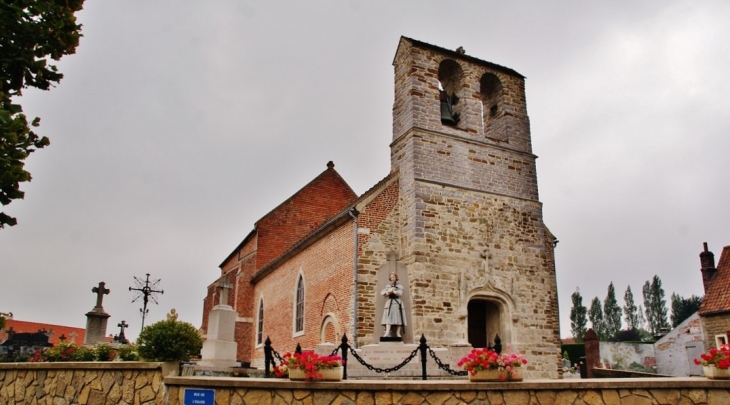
<point>490,88</point>
<point>260,326</point>
<point>450,77</point>
<point>299,312</point>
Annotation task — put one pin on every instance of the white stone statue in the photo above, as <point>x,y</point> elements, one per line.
<point>393,311</point>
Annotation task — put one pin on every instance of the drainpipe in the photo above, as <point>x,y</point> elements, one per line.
<point>353,213</point>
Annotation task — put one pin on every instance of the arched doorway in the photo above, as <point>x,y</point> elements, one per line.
<point>483,322</point>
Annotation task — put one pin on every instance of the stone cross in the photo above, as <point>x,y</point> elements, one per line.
<point>224,286</point>
<point>73,336</point>
<point>121,338</point>
<point>100,291</point>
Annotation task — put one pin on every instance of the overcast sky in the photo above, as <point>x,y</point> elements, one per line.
<point>179,124</point>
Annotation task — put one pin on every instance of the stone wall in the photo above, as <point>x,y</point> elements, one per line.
<point>231,391</point>
<point>714,325</point>
<point>93,383</point>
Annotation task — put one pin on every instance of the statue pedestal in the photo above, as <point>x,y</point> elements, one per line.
<point>390,354</point>
<point>219,349</point>
<point>96,320</point>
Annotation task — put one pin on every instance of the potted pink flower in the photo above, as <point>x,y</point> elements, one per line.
<point>310,366</point>
<point>488,365</point>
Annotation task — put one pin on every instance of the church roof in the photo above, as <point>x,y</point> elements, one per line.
<point>328,180</point>
<point>717,296</point>
<point>458,55</point>
<point>320,232</point>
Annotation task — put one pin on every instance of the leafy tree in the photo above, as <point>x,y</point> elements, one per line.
<point>630,311</point>
<point>611,313</point>
<point>595,314</point>
<point>656,305</point>
<point>683,308</point>
<point>31,32</point>
<point>641,318</point>
<point>169,340</point>
<point>578,319</point>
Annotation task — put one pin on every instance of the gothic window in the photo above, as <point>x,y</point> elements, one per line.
<point>492,108</point>
<point>260,326</point>
<point>450,77</point>
<point>299,317</point>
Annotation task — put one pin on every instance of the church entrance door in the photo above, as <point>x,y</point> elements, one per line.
<point>483,322</point>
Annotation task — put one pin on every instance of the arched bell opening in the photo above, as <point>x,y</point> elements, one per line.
<point>451,79</point>
<point>484,322</point>
<point>493,110</point>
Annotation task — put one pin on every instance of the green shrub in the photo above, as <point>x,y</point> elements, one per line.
<point>169,340</point>
<point>105,352</point>
<point>128,353</point>
<point>85,353</point>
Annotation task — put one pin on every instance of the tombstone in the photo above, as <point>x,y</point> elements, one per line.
<point>219,349</point>
<point>96,319</point>
<point>120,338</point>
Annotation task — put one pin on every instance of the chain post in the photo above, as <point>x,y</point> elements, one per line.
<point>345,348</point>
<point>423,347</point>
<point>298,349</point>
<point>268,358</point>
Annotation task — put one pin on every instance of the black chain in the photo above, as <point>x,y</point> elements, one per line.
<point>384,370</point>
<point>337,349</point>
<point>276,354</point>
<point>445,367</point>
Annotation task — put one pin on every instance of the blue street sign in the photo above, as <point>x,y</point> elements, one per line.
<point>198,396</point>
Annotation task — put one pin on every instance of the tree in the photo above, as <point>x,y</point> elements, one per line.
<point>683,308</point>
<point>655,305</point>
<point>611,313</point>
<point>31,32</point>
<point>578,319</point>
<point>169,340</point>
<point>630,311</point>
<point>595,314</point>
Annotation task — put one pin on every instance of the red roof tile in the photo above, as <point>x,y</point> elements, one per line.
<point>717,296</point>
<point>73,335</point>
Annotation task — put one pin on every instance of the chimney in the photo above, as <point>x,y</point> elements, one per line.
<point>707,261</point>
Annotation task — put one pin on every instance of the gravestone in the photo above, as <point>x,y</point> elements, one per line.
<point>97,318</point>
<point>219,349</point>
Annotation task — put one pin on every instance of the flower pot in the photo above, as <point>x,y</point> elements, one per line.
<point>715,373</point>
<point>332,374</point>
<point>497,375</point>
<point>296,374</point>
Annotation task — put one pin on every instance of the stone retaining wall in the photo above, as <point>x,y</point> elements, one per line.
<point>650,391</point>
<point>92,383</point>
<point>144,384</point>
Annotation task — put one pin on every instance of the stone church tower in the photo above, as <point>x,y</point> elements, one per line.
<point>479,258</point>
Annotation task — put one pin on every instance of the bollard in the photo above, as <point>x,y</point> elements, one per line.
<point>422,347</point>
<point>345,347</point>
<point>268,358</point>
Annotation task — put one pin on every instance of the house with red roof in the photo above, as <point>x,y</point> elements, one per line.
<point>715,309</point>
<point>55,333</point>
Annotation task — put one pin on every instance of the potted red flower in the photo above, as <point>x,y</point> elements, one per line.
<point>716,363</point>
<point>310,366</point>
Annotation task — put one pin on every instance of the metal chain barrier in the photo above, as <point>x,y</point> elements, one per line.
<point>446,367</point>
<point>276,354</point>
<point>413,354</point>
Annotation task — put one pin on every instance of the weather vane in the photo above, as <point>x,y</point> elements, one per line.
<point>147,291</point>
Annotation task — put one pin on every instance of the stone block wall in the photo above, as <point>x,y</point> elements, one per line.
<point>714,325</point>
<point>96,383</point>
<point>557,392</point>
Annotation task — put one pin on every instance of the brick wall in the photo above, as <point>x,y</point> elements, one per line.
<point>327,268</point>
